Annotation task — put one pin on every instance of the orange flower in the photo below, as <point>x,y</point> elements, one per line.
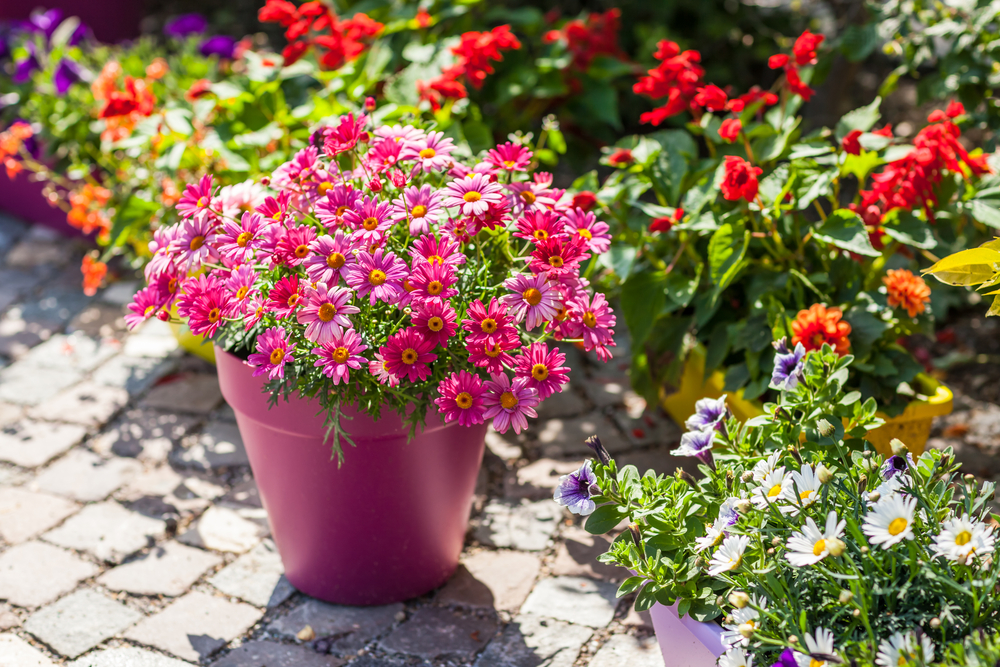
<point>13,167</point>
<point>171,195</point>
<point>93,274</point>
<point>820,325</point>
<point>157,69</point>
<point>907,290</point>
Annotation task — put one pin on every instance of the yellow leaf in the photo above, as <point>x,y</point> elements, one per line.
<point>992,245</point>
<point>995,308</point>
<point>967,267</point>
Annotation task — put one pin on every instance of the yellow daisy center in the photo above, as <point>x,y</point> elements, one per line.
<point>335,260</point>
<point>528,197</point>
<point>585,233</point>
<point>340,355</point>
<point>197,242</point>
<point>323,187</point>
<point>819,547</point>
<point>370,223</point>
<point>464,400</point>
<point>302,251</point>
<point>409,356</point>
<point>242,292</point>
<point>472,196</point>
<point>326,312</point>
<point>243,239</point>
<point>492,352</point>
<point>898,525</point>
<point>419,211</point>
<point>963,538</point>
<point>428,153</point>
<point>376,277</point>
<point>774,491</point>
<point>590,319</point>
<point>435,323</point>
<point>508,400</point>
<point>555,261</point>
<point>434,287</point>
<point>489,325</point>
<point>540,372</point>
<point>532,296</point>
<point>214,315</point>
<point>277,354</point>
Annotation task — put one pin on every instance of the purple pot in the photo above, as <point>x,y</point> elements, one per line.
<point>388,525</point>
<point>23,199</point>
<point>686,642</point>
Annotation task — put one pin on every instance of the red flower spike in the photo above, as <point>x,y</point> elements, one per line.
<point>850,144</point>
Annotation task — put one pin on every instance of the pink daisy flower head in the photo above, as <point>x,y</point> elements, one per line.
<point>436,321</point>
<point>458,229</point>
<point>193,246</point>
<point>378,275</point>
<point>585,227</point>
<point>238,240</point>
<point>496,216</point>
<point>509,156</point>
<point>325,312</point>
<point>509,404</point>
<point>488,324</point>
<point>276,209</point>
<point>532,301</point>
<point>433,153</point>
<point>273,352</point>
<point>255,311</point>
<point>196,198</point>
<point>529,196</point>
<point>284,297</point>
<point>432,281</point>
<point>204,303</point>
<point>383,155</point>
<point>370,218</point>
<point>472,194</point>
<point>429,249</point>
<point>542,369</point>
<point>167,285</point>
<point>380,369</point>
<point>461,398</point>
<point>402,134</point>
<point>292,173</point>
<point>419,206</point>
<point>163,250</point>
<point>537,226</point>
<point>339,200</point>
<point>293,247</point>
<point>407,354</point>
<point>558,257</point>
<point>493,356</point>
<point>344,136</point>
<point>144,305</point>
<point>330,255</point>
<point>597,320</point>
<point>341,354</point>
<point>240,283</point>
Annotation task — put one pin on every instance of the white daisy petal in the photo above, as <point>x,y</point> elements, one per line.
<point>729,555</point>
<point>890,521</point>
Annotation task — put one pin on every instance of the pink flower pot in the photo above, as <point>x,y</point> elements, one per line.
<point>686,642</point>
<point>388,525</point>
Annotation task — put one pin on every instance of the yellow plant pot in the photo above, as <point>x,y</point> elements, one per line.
<point>192,343</point>
<point>912,426</point>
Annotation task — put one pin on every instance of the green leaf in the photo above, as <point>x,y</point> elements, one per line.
<point>619,259</point>
<point>819,185</point>
<point>862,119</point>
<point>587,182</point>
<point>907,228</point>
<point>845,230</point>
<point>860,165</point>
<point>630,585</point>
<point>601,100</point>
<point>557,141</point>
<point>175,155</point>
<point>986,211</point>
<point>604,519</point>
<point>725,254</point>
<point>226,90</point>
<point>859,41</point>
<point>642,299</point>
<point>478,135</point>
<point>178,120</point>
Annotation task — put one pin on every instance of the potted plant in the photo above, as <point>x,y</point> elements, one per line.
<point>390,297</point>
<point>808,547</point>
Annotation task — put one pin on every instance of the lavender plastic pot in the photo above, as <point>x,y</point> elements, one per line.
<point>386,526</point>
<point>686,642</point>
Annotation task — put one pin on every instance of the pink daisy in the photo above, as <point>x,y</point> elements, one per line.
<point>341,354</point>
<point>529,196</point>
<point>383,155</point>
<point>436,321</point>
<point>433,153</point>
<point>292,173</point>
<point>330,255</point>
<point>284,297</point>
<point>588,229</point>
<point>196,198</point>
<point>293,247</point>
<point>144,305</point>
<point>166,284</point>
<point>461,398</point>
<point>429,249</point>
<point>255,311</point>
<point>509,404</point>
<point>542,369</point>
<point>420,206</point>
<point>194,245</point>
<point>163,250</point>
<point>240,284</point>
<point>566,323</point>
<point>380,369</point>
<point>239,198</point>
<point>488,324</point>
<point>509,156</point>
<point>273,352</point>
<point>432,281</point>
<point>597,320</point>
<point>344,136</point>
<point>407,354</point>
<point>238,240</point>
<point>458,229</point>
<point>276,209</point>
<point>403,134</point>
<point>380,275</point>
<point>370,218</point>
<point>203,303</point>
<point>339,200</point>
<point>493,356</point>
<point>496,216</point>
<point>472,195</point>
<point>325,312</point>
<point>558,257</point>
<point>536,226</point>
<point>533,300</point>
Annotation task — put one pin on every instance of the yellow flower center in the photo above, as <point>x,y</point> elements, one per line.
<point>590,319</point>
<point>409,356</point>
<point>214,315</point>
<point>335,260</point>
<point>489,325</point>
<point>539,372</point>
<point>532,296</point>
<point>435,323</point>
<point>472,196</point>
<point>509,164</point>
<point>528,197</point>
<point>149,310</point>
<point>435,259</point>
<point>464,400</point>
<point>963,538</point>
<point>370,223</point>
<point>376,277</point>
<point>813,662</point>
<point>323,187</point>
<point>302,251</point>
<point>819,547</point>
<point>806,495</point>
<point>242,292</point>
<point>340,210</point>
<point>540,234</point>
<point>276,216</point>
<point>585,233</point>
<point>172,285</point>
<point>197,242</point>
<point>508,400</point>
<point>419,211</point>
<point>492,352</point>
<point>428,153</point>
<point>326,312</point>
<point>293,299</point>
<point>340,355</point>
<point>277,354</point>
<point>555,261</point>
<point>243,239</point>
<point>897,526</point>
<point>434,287</point>
<point>774,491</point>
<point>407,285</point>
<point>203,202</point>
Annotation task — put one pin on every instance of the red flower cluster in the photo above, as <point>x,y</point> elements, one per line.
<point>740,180</point>
<point>803,54</point>
<point>121,109</point>
<point>313,24</point>
<point>596,36</point>
<point>474,57</point>
<point>87,210</point>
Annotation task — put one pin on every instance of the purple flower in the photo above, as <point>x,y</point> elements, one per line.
<point>789,366</point>
<point>708,413</point>
<point>727,513</point>
<point>697,444</point>
<point>575,489</point>
<point>894,465</point>
<point>599,449</point>
<point>24,68</point>
<point>786,659</point>
<point>220,45</point>
<point>185,24</point>
<point>67,73</point>
<point>4,48</point>
<point>45,22</point>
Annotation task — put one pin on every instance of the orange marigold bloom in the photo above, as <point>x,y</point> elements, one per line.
<point>157,69</point>
<point>907,290</point>
<point>93,274</point>
<point>820,325</point>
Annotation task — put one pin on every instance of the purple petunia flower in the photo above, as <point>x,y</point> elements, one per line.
<point>894,465</point>
<point>185,24</point>
<point>220,45</point>
<point>599,449</point>
<point>708,413</point>
<point>24,68</point>
<point>45,22</point>
<point>575,490</point>
<point>66,74</point>
<point>786,659</point>
<point>789,366</point>
<point>698,444</point>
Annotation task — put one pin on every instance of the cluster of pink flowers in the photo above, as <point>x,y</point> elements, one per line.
<point>378,259</point>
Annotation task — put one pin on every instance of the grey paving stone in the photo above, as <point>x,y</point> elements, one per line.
<point>628,651</point>
<point>25,384</point>
<point>24,513</point>
<point>492,579</point>
<point>532,641</point>
<point>606,392</point>
<point>15,652</point>
<point>196,393</point>
<point>537,480</point>
<point>566,403</point>
<point>25,325</point>
<point>150,342</point>
<point>8,619</point>
<point>222,529</point>
<point>168,569</point>
<point>502,445</point>
<point>577,553</point>
<point>195,626</point>
<point>647,429</point>
<point>77,352</point>
<point>33,573</point>
<point>127,657</point>
<point>218,446</point>
<point>30,443</point>
<point>350,627</point>
<point>159,481</point>
<point>10,414</point>
<point>31,252</point>
<point>573,599</point>
<point>121,293</point>
<point>85,476</point>
<point>147,435</point>
<point>80,621</point>
<point>17,283</point>
<point>133,374</point>
<point>368,660</point>
<point>99,321</point>
<point>273,654</point>
<point>567,437</point>
<point>11,230</point>
<point>244,493</point>
<point>437,632</point>
<point>257,577</point>
<point>525,526</point>
<point>107,530</point>
<point>87,403</point>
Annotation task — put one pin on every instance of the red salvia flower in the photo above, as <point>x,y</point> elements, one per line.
<point>740,180</point>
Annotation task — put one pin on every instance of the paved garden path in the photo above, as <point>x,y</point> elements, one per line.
<point>131,533</point>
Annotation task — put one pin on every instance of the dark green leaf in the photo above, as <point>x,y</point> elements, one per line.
<point>845,230</point>
<point>604,519</point>
<point>641,301</point>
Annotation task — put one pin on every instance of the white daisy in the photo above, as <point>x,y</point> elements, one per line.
<point>729,555</point>
<point>806,490</point>
<point>819,647</point>
<point>961,537</point>
<point>901,648</point>
<point>890,521</point>
<point>809,546</point>
<point>765,466</point>
<point>735,657</point>
<point>747,615</point>
<point>713,535</point>
<point>889,487</point>
<point>776,486</point>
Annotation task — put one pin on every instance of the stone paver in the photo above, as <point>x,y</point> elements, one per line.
<point>34,573</point>
<point>537,480</point>
<point>79,622</point>
<point>15,652</point>
<point>30,443</point>
<point>99,321</point>
<point>577,554</point>
<point>195,626</point>
<point>153,340</point>
<point>525,526</point>
<point>223,529</point>
<point>107,530</point>
<point>256,577</point>
<point>133,374</point>
<point>85,476</point>
<point>147,435</point>
<point>10,414</point>
<point>492,579</point>
<point>350,628</point>
<point>75,352</point>
<point>194,393</point>
<point>628,651</point>
<point>127,657</point>
<point>273,654</point>
<point>87,403</point>
<point>24,514</point>
<point>566,403</point>
<point>219,445</point>
<point>435,632</point>
<point>168,569</point>
<point>573,599</point>
<point>531,641</point>
<point>566,437</point>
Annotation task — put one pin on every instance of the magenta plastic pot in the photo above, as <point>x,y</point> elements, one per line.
<point>686,642</point>
<point>386,526</point>
<point>24,199</point>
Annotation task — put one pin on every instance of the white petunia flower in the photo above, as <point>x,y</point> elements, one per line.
<point>748,615</point>
<point>901,648</point>
<point>890,521</point>
<point>729,555</point>
<point>762,468</point>
<point>735,657</point>
<point>776,486</point>
<point>961,538</point>
<point>806,489</point>
<point>809,546</point>
<point>817,647</point>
